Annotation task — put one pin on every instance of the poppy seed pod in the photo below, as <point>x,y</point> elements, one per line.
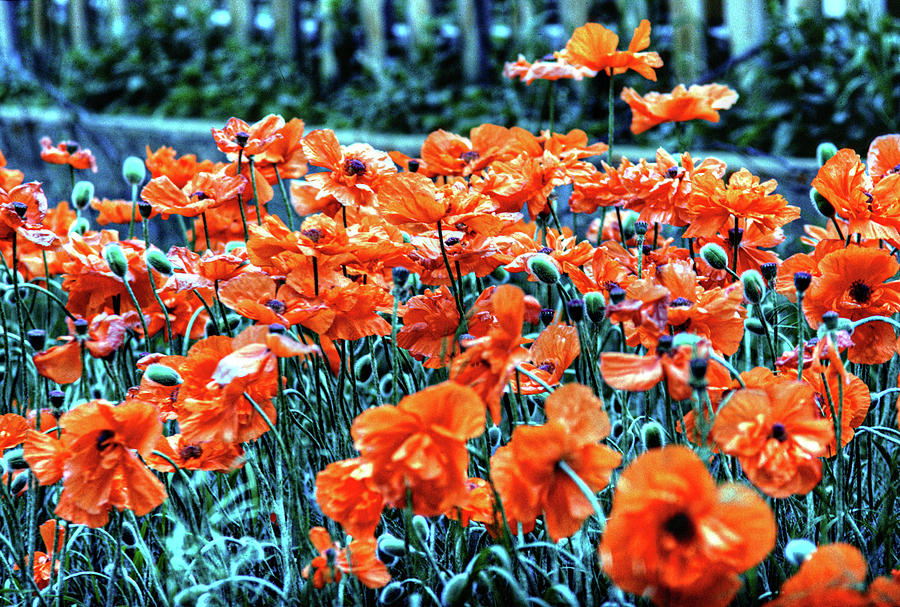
<point>57,398</point>
<point>617,295</point>
<point>824,207</point>
<point>547,315</point>
<point>81,326</point>
<point>541,266</point>
<point>698,372</point>
<point>754,285</point>
<point>37,338</point>
<point>769,271</point>
<point>157,260</point>
<point>652,436</point>
<point>575,309</point>
<point>714,255</point>
<point>391,594</point>
<point>830,318</point>
<point>115,258</point>
<point>163,375</point>
<point>145,209</point>
<point>133,170</point>
<point>20,208</point>
<point>798,551</point>
<point>401,276</point>
<point>825,151</point>
<point>455,589</point>
<point>802,280</point>
<point>640,228</point>
<point>595,304</point>
<point>82,194</point>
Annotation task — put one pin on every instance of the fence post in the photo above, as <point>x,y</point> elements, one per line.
<point>8,53</point>
<point>573,13</point>
<point>630,14</point>
<point>372,16</point>
<point>418,15</point>
<point>285,27</point>
<point>241,19</point>
<point>797,8</point>
<point>746,23</point>
<point>328,65</point>
<point>688,37</point>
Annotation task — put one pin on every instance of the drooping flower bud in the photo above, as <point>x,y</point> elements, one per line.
<point>82,194</point>
<point>541,266</point>
<point>714,255</point>
<point>157,260</point>
<point>754,286</point>
<point>163,375</point>
<point>824,207</point>
<point>115,258</point>
<point>825,151</point>
<point>595,304</point>
<point>653,436</point>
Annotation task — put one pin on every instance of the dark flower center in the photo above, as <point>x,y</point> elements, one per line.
<point>354,166</point>
<point>548,367</point>
<point>241,138</point>
<point>200,194</point>
<point>276,305</point>
<point>860,291</point>
<point>470,156</point>
<point>681,302</point>
<point>672,172</point>
<point>71,146</point>
<point>103,439</point>
<point>545,250</point>
<point>681,527</point>
<point>778,432</point>
<point>451,241</point>
<point>190,452</point>
<point>314,234</point>
<point>20,208</point>
<point>664,344</point>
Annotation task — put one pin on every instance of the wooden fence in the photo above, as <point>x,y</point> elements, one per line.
<point>294,27</point>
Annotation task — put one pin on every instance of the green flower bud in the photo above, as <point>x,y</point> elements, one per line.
<point>82,194</point>
<point>163,375</point>
<point>115,258</point>
<point>500,275</point>
<point>157,260</point>
<point>714,255</point>
<point>595,305</point>
<point>684,339</point>
<point>392,593</point>
<point>392,546</point>
<point>15,459</point>
<point>754,326</point>
<point>420,526</point>
<point>80,226</point>
<point>825,151</point>
<point>754,286</point>
<point>798,551</point>
<point>824,207</point>
<point>830,318</point>
<point>628,220</point>
<point>455,590</point>
<point>133,170</point>
<point>653,436</point>
<point>542,267</point>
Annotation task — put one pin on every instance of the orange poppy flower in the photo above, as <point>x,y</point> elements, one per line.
<point>873,211</point>
<point>700,102</point>
<point>854,283</point>
<point>488,362</point>
<point>22,212</point>
<point>851,401</point>
<point>42,571</point>
<point>9,178</point>
<point>430,324</point>
<point>359,558</point>
<point>306,201</point>
<point>714,205</point>
<point>116,211</point>
<point>67,152</point>
<point>354,172</point>
<point>526,471</point>
<point>253,295</point>
<point>883,158</point>
<point>448,154</point>
<point>419,446</point>
<point>551,354</point>
<point>179,170</point>
<point>833,576</point>
<point>677,539</point>
<point>95,459</point>
<point>285,153</point>
<point>13,429</point>
<point>778,436</point>
<point>209,455</point>
<point>594,47</point>
<point>549,68</point>
<point>346,493</point>
<point>203,192</point>
<point>238,136</point>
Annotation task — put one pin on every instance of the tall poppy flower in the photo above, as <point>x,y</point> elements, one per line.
<point>359,558</point>
<point>548,68</point>
<point>9,178</point>
<point>238,136</point>
<point>42,568</point>
<point>833,576</point>
<point>22,212</point>
<point>594,47</point>
<point>419,446</point>
<point>345,491</point>
<point>430,324</point>
<point>163,162</point>
<point>67,152</point>
<point>203,192</point>
<point>96,458</point>
<point>215,456</point>
<point>527,474</point>
<point>700,102</point>
<point>676,538</point>
<point>777,435</point>
<point>354,172</point>
<point>551,354</point>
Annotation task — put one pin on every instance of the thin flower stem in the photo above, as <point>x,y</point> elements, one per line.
<point>240,199</point>
<point>450,278</point>
<point>583,487</point>
<point>206,231</point>
<point>534,377</point>
<point>729,367</point>
<point>162,308</point>
<point>255,195</point>
<point>610,123</point>
<point>137,306</point>
<point>133,211</point>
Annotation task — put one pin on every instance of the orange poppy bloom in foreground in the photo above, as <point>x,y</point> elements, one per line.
<point>594,47</point>
<point>360,559</point>
<point>96,458</point>
<point>346,493</point>
<point>67,152</point>
<point>777,435</point>
<point>419,446</point>
<point>700,102</point>
<point>527,474</point>
<point>42,571</point>
<point>676,538</point>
